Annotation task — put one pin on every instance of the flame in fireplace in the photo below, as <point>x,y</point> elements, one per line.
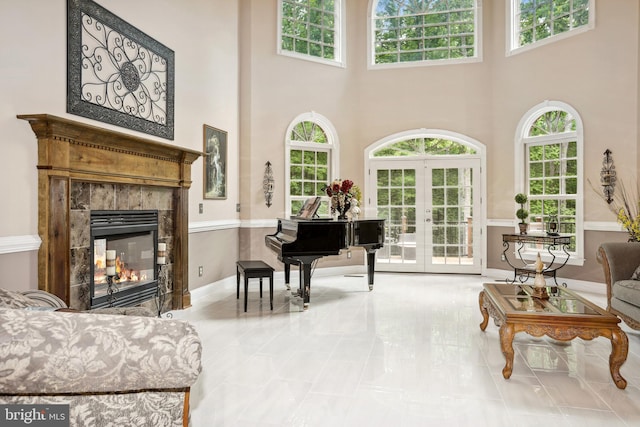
<point>127,275</point>
<point>123,273</point>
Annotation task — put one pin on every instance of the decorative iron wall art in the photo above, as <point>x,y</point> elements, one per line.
<point>215,163</point>
<point>267,183</point>
<point>608,176</point>
<point>116,73</point>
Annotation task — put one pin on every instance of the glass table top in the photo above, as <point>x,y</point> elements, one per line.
<point>518,298</point>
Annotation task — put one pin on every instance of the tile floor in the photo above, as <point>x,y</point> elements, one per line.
<point>410,353</point>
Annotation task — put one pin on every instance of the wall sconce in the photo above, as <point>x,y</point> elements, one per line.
<point>608,176</point>
<point>267,183</point>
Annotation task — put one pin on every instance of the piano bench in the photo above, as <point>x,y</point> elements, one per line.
<point>254,270</point>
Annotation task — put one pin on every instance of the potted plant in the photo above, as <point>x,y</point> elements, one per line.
<point>522,213</point>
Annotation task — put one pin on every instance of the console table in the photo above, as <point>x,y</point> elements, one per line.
<point>550,243</point>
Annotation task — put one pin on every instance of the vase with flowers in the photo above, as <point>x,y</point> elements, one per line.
<point>341,195</point>
<point>627,209</point>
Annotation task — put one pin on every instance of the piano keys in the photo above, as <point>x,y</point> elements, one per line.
<point>303,241</point>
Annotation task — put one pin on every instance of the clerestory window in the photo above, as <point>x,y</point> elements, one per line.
<point>536,22</point>
<point>311,161</point>
<point>424,32</point>
<point>423,146</point>
<point>312,29</point>
<point>551,147</point>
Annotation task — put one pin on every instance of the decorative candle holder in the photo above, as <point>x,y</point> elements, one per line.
<point>553,225</point>
<point>161,293</point>
<point>111,273</point>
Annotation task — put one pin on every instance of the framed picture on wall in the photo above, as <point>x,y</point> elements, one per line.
<point>215,163</point>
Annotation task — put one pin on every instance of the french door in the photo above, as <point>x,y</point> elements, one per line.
<point>433,215</point>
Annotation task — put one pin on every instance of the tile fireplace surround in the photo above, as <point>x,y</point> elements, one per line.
<point>87,197</point>
<point>83,168</point>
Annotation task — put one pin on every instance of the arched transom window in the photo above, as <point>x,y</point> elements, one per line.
<point>421,147</point>
<point>424,31</point>
<point>311,160</point>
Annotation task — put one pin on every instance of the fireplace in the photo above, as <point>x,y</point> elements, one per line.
<point>84,168</point>
<point>132,237</point>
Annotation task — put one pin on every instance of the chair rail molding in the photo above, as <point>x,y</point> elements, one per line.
<point>14,244</point>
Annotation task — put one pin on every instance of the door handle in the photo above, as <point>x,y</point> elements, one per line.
<point>428,220</point>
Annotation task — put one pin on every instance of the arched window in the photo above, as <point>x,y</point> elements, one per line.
<point>312,160</point>
<point>549,162</point>
<point>413,32</point>
<point>537,22</point>
<point>428,185</point>
<point>423,146</point>
<point>312,30</point>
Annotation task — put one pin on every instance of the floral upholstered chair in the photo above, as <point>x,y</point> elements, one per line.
<point>110,369</point>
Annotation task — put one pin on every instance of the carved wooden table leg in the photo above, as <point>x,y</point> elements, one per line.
<point>619,350</point>
<point>506,343</point>
<point>483,311</point>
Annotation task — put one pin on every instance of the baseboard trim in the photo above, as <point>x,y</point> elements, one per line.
<point>490,275</point>
<point>279,276</point>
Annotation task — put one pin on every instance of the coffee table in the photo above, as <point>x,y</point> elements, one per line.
<point>564,316</point>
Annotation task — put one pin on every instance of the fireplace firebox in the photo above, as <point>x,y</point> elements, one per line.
<point>133,236</point>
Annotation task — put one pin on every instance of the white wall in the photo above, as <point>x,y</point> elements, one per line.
<point>596,72</point>
<point>33,75</point>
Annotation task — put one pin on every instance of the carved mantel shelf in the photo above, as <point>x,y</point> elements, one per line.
<point>70,150</point>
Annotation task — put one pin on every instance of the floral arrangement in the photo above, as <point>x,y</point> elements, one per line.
<point>340,192</point>
<point>627,209</point>
<point>630,223</point>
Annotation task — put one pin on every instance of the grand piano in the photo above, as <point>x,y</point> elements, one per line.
<point>303,241</point>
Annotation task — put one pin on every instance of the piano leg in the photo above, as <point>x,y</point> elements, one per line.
<point>371,266</point>
<point>306,285</point>
<point>305,263</point>
<point>287,274</point>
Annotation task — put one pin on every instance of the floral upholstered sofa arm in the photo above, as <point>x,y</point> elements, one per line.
<point>41,300</point>
<point>52,353</point>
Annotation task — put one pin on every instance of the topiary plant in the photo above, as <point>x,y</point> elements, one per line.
<point>521,213</point>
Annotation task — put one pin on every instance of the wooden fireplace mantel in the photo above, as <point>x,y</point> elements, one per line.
<point>70,150</point>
